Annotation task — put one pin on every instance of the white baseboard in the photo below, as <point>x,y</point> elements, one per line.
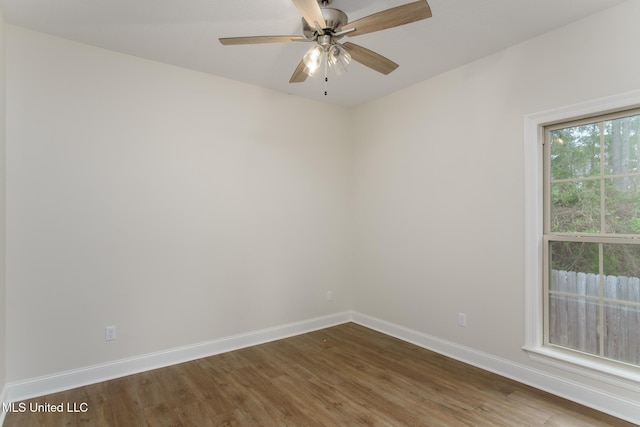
<point>107,371</point>
<point>594,398</point>
<point>600,400</point>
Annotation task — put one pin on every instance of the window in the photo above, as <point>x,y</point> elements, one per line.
<point>591,246</point>
<point>582,223</point>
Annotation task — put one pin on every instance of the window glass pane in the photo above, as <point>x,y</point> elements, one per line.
<point>575,207</point>
<point>574,268</point>
<point>573,323</point>
<point>621,266</point>
<point>622,199</point>
<point>622,332</point>
<point>621,260</point>
<point>575,152</point>
<point>574,319</point>
<point>621,145</point>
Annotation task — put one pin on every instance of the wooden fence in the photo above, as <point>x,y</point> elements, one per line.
<point>574,319</point>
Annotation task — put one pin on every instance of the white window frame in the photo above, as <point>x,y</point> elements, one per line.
<point>617,374</point>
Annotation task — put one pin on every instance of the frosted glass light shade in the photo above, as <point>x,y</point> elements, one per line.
<point>338,59</point>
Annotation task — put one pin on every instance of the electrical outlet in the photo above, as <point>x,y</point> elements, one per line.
<point>462,319</point>
<point>329,295</point>
<point>110,333</point>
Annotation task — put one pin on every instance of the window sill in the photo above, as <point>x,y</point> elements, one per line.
<point>619,375</point>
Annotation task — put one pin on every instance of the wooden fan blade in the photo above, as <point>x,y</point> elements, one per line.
<point>311,12</point>
<point>298,75</point>
<point>261,39</point>
<point>390,18</point>
<point>370,59</point>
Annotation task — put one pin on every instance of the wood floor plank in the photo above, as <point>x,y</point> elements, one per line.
<point>344,375</point>
<point>315,402</point>
<point>274,403</point>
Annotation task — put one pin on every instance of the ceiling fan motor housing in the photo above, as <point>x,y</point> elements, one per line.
<point>334,18</point>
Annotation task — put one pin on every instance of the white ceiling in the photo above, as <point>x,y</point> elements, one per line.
<point>185,33</point>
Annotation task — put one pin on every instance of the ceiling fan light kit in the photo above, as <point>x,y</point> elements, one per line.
<point>333,56</point>
<point>325,26</point>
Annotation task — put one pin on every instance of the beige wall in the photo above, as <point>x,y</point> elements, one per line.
<point>439,182</point>
<point>2,208</point>
<point>178,206</point>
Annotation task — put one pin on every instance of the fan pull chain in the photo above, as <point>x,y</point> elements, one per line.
<point>326,76</point>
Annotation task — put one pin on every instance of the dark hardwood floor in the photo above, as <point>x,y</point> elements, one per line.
<point>346,375</point>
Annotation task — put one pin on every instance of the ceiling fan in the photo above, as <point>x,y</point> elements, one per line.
<point>325,26</point>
